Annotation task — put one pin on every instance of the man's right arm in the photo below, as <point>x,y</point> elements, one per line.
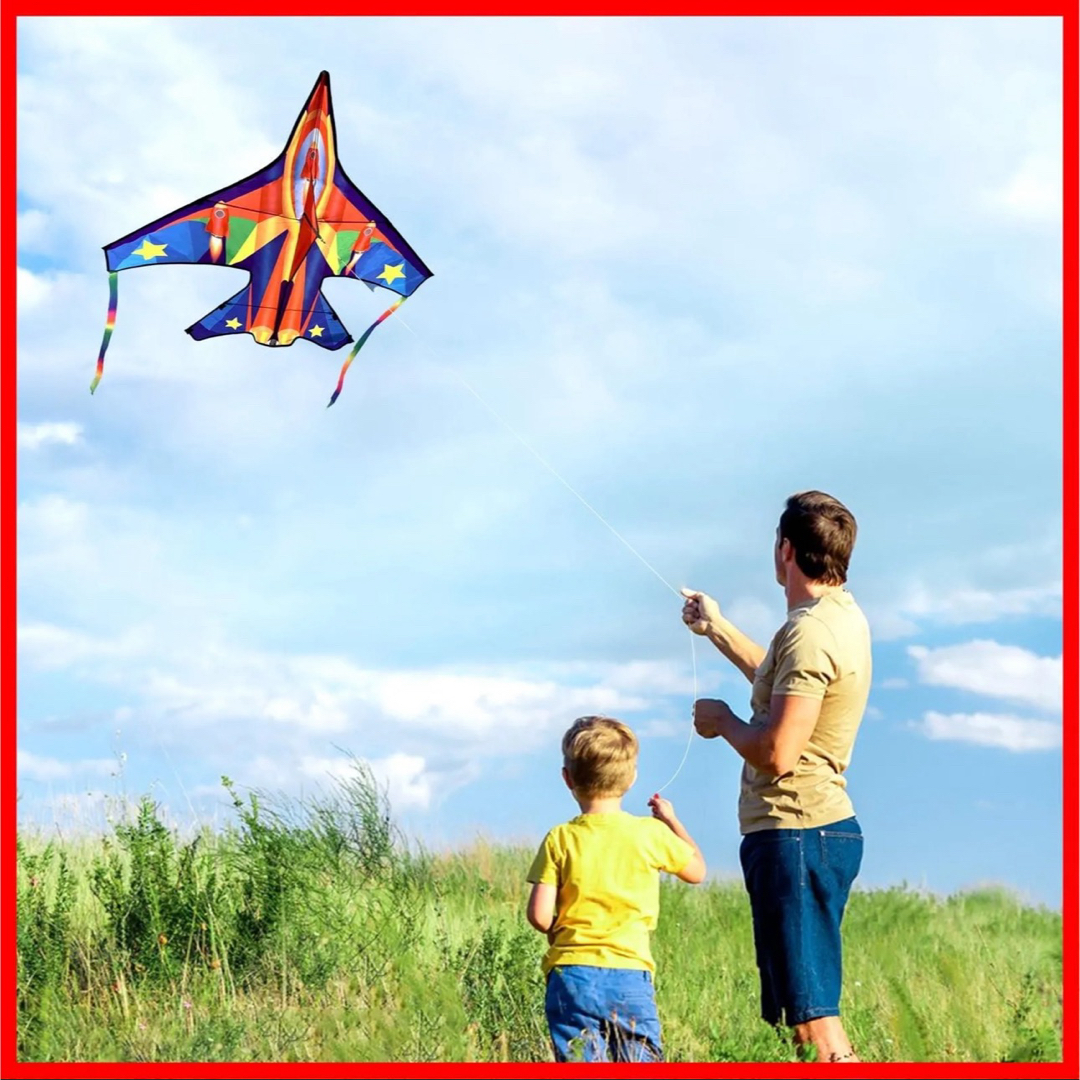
<point>702,614</point>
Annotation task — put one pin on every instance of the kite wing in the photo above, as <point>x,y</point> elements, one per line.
<point>215,229</point>
<point>364,244</point>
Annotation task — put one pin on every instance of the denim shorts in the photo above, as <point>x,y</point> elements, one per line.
<point>799,881</point>
<point>602,1014</point>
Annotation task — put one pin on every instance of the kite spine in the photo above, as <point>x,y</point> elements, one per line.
<point>360,344</point>
<point>110,325</point>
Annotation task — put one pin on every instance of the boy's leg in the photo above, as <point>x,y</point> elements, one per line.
<point>574,1015</point>
<point>633,1024</point>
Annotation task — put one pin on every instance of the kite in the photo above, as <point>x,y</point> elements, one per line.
<point>292,224</point>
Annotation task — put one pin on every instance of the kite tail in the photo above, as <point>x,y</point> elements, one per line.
<point>360,344</point>
<point>110,324</point>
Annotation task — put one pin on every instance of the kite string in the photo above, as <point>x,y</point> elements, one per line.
<point>615,532</point>
<point>558,476</point>
<point>693,700</point>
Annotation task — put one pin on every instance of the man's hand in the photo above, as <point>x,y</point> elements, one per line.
<point>700,612</point>
<point>663,811</point>
<point>710,716</point>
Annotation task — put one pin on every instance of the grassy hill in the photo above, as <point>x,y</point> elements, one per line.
<point>310,931</point>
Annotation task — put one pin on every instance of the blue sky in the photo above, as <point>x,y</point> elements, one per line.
<point>697,265</point>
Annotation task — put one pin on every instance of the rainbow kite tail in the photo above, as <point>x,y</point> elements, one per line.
<point>110,325</point>
<point>360,344</point>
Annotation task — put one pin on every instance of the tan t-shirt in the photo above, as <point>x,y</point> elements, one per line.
<point>822,651</point>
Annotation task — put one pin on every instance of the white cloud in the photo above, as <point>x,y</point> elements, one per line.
<point>409,781</point>
<point>991,729</point>
<point>963,606</point>
<point>968,590</point>
<point>46,647</point>
<point>994,670</point>
<point>181,687</point>
<point>34,436</point>
<point>32,228</point>
<point>974,605</point>
<point>48,769</point>
<point>1033,193</point>
<point>31,289</point>
<point>663,729</point>
<point>894,684</point>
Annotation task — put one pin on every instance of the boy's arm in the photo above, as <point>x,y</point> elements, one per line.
<point>694,871</point>
<point>541,909</point>
<point>544,877</point>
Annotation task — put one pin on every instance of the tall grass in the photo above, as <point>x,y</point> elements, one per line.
<point>310,930</point>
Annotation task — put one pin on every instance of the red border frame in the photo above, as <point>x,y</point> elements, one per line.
<point>1070,1065</point>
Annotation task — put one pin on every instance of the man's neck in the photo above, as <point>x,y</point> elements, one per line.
<point>801,590</point>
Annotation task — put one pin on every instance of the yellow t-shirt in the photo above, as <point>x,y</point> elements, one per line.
<point>607,869</point>
<point>822,651</point>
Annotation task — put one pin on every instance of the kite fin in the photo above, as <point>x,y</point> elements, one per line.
<point>232,317</point>
<point>323,327</point>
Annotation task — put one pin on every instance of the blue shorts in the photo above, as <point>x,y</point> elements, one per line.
<point>799,881</point>
<point>602,1014</point>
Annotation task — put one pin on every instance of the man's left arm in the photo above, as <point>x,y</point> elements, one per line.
<point>805,666</point>
<point>773,747</point>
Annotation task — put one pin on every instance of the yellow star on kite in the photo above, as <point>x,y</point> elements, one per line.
<point>150,251</point>
<point>316,331</point>
<point>390,274</point>
<point>233,323</point>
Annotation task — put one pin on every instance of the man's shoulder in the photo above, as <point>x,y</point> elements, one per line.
<point>827,615</point>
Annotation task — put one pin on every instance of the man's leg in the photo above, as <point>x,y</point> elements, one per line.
<point>827,1036</point>
<point>833,860</point>
<point>772,871</point>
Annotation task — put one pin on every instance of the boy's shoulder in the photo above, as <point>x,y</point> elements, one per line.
<point>600,826</point>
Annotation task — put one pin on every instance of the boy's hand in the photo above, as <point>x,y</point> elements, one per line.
<point>663,811</point>
<point>700,612</point>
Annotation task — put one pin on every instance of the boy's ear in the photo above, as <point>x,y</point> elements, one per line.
<point>566,779</point>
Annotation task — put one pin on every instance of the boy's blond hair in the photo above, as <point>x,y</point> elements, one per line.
<point>600,756</point>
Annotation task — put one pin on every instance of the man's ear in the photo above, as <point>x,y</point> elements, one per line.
<point>566,779</point>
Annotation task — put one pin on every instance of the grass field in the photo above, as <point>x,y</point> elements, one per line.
<point>309,931</point>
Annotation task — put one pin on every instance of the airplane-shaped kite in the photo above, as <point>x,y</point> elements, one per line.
<point>291,224</point>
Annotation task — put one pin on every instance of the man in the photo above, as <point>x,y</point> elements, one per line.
<point>802,844</point>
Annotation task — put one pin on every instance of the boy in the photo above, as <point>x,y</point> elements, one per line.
<point>596,894</point>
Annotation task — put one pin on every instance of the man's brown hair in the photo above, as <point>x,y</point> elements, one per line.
<point>822,530</point>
